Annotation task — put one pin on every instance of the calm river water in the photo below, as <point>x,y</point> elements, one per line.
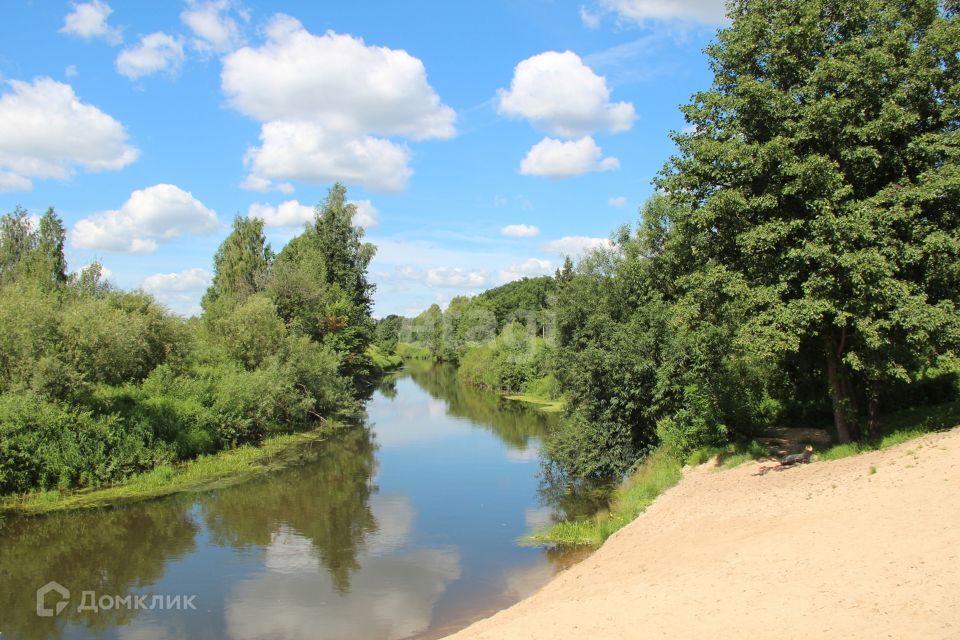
<point>405,527</point>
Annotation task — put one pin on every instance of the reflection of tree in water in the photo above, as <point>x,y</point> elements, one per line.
<point>512,422</point>
<point>110,551</point>
<point>516,425</point>
<point>325,501</point>
<point>571,499</point>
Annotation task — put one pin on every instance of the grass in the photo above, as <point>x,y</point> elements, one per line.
<point>901,427</point>
<point>383,361</point>
<point>729,456</point>
<point>661,470</point>
<point>203,473</point>
<point>658,472</point>
<point>543,404</point>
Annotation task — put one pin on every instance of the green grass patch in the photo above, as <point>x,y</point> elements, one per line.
<point>408,351</point>
<point>658,472</point>
<point>383,360</point>
<point>901,427</point>
<point>543,404</point>
<point>203,473</point>
<point>729,456</point>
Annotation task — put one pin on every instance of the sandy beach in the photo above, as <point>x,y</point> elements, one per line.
<point>863,547</point>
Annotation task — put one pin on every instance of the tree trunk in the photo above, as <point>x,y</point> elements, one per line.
<point>837,392</point>
<point>873,409</point>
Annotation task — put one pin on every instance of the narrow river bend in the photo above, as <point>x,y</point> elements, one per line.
<point>405,527</point>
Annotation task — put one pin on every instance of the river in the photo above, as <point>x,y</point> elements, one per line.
<point>405,526</point>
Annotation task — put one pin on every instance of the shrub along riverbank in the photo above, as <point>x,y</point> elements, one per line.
<point>99,386</point>
<point>662,469</point>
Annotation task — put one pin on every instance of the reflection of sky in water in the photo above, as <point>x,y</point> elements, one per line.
<point>392,595</point>
<point>433,546</point>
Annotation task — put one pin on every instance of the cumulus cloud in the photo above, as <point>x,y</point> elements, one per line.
<point>330,105</point>
<point>445,277</point>
<point>179,291</point>
<point>256,183</point>
<point>88,20</point>
<point>286,214</point>
<point>150,216</point>
<point>190,280</point>
<point>154,53</point>
<point>564,158</point>
<point>617,201</point>
<point>367,215</point>
<point>47,132</point>
<point>293,214</point>
<point>705,11</point>
<point>561,95</point>
<point>214,29</point>
<point>520,231</point>
<point>529,268</point>
<point>576,245</point>
<point>313,153</point>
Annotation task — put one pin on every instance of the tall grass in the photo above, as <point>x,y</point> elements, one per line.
<point>203,473</point>
<point>658,472</point>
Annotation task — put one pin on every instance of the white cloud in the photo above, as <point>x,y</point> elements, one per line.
<point>150,216</point>
<point>47,132</point>
<point>445,277</point>
<point>706,11</point>
<point>520,230</point>
<point>88,20</point>
<point>576,245</point>
<point>311,152</point>
<point>589,19</point>
<point>13,182</point>
<point>213,28</point>
<point>256,183</point>
<point>105,274</point>
<point>293,214</point>
<point>328,105</point>
<point>367,215</point>
<point>529,268</point>
<point>195,279</point>
<point>561,95</point>
<point>286,214</point>
<point>560,159</point>
<point>180,291</point>
<point>70,71</point>
<point>617,201</point>
<point>155,52</point>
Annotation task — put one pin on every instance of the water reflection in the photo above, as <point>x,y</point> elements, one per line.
<point>400,527</point>
<point>111,552</point>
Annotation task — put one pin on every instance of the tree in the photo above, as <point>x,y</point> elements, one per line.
<point>51,238</point>
<point>821,169</point>
<point>319,282</point>
<point>241,263</point>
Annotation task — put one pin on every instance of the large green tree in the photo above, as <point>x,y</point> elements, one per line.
<point>821,171</point>
<point>241,264</point>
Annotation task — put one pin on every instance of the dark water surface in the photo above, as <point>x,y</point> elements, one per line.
<point>404,527</point>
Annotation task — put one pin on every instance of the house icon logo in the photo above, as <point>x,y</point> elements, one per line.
<point>45,612</point>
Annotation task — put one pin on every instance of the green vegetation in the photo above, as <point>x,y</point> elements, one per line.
<point>200,474</point>
<point>501,340</point>
<point>99,386</point>
<point>658,472</point>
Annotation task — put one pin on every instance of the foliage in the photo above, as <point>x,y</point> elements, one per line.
<point>97,384</point>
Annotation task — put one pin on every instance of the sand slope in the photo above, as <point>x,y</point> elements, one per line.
<point>824,550</point>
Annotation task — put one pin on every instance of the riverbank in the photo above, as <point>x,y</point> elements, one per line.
<point>203,473</point>
<point>861,547</point>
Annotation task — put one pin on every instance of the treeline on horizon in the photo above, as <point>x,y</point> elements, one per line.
<point>799,264</point>
<point>97,384</point>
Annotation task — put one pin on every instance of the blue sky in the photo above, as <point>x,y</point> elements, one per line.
<point>481,141</point>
